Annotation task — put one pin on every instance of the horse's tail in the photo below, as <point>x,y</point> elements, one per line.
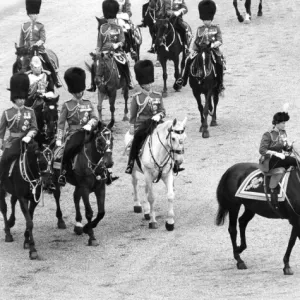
<point>222,199</point>
<point>88,67</point>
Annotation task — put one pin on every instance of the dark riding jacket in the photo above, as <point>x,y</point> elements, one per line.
<point>32,32</point>
<point>206,35</point>
<point>168,7</point>
<point>76,113</point>
<point>144,106</point>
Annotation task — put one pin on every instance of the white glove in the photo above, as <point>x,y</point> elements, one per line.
<point>177,13</point>
<point>156,118</point>
<point>87,127</point>
<point>1,152</point>
<point>115,45</point>
<point>26,139</point>
<point>58,143</point>
<point>131,130</point>
<point>280,155</point>
<point>39,43</point>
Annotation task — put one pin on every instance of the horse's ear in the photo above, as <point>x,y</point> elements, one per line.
<point>56,99</point>
<point>174,122</point>
<point>184,122</point>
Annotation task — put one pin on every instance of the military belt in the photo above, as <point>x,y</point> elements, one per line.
<point>74,127</point>
<point>17,134</point>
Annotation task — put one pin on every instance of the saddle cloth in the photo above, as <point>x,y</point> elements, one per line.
<point>196,69</point>
<point>253,187</point>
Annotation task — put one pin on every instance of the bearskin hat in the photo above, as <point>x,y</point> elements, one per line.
<point>207,10</point>
<point>75,80</point>
<point>144,71</point>
<point>280,117</point>
<point>19,86</point>
<point>110,9</point>
<point>33,7</point>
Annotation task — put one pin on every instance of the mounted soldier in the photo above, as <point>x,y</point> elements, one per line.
<point>33,34</point>
<point>19,120</point>
<point>78,113</point>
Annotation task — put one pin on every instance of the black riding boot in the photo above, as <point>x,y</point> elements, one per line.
<point>52,70</point>
<point>274,198</point>
<point>62,177</point>
<point>124,69</point>
<point>129,167</point>
<point>93,85</point>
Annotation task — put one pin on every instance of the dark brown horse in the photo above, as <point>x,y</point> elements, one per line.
<point>203,80</point>
<point>230,204</point>
<point>25,184</point>
<point>247,18</point>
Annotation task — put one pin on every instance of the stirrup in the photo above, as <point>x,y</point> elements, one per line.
<point>128,170</point>
<point>62,180</point>
<point>179,81</point>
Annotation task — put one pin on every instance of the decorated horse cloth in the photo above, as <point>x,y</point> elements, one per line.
<point>253,187</point>
<point>202,64</point>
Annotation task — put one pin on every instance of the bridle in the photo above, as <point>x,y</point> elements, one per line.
<point>107,67</point>
<point>106,135</point>
<point>165,35</point>
<point>170,153</point>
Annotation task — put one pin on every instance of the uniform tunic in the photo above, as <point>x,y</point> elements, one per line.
<point>206,35</point>
<point>168,7</point>
<point>31,32</point>
<point>144,106</point>
<point>76,113</point>
<point>125,7</point>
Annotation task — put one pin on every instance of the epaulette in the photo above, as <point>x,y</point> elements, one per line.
<point>137,93</point>
<point>28,72</point>
<point>69,100</point>
<point>85,100</point>
<point>28,107</point>
<point>38,22</point>
<point>158,93</point>
<point>47,72</point>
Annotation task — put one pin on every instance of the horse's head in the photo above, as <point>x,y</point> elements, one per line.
<point>162,27</point>
<point>50,117</point>
<point>24,55</point>
<point>103,65</point>
<point>176,137</point>
<point>104,143</point>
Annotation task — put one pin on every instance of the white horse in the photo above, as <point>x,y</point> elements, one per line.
<point>162,149</point>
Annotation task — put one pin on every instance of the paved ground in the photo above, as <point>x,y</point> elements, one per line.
<point>195,261</point>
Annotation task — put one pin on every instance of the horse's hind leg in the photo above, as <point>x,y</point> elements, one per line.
<point>239,16</point>
<point>287,270</point>
<point>243,221</point>
<point>78,228</point>
<point>125,95</point>
<point>29,241</point>
<point>214,114</point>
<point>259,13</point>
<point>233,215</point>
<point>3,208</point>
<point>60,221</point>
<point>12,219</point>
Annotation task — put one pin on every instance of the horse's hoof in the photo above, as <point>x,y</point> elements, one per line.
<point>137,209</point>
<point>147,217</point>
<point>125,119</point>
<point>259,14</point>
<point>176,87</point>
<point>165,94</point>
<point>213,123</point>
<point>241,19</point>
<point>93,242</point>
<point>9,238</point>
<point>61,224</point>
<point>33,255</point>
<point>169,227</point>
<point>247,19</point>
<point>26,245</point>
<point>153,225</point>
<point>241,266</point>
<point>201,129</point>
<point>85,229</point>
<point>288,271</point>
<point>205,134</point>
<point>78,230</point>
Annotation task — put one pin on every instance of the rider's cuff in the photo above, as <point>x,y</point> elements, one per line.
<point>31,134</point>
<point>92,122</point>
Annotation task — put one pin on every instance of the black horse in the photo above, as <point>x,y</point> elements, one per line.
<point>247,18</point>
<point>169,47</point>
<point>203,80</point>
<point>90,174</point>
<point>24,183</point>
<point>230,204</point>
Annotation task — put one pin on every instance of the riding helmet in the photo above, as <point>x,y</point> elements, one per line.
<point>33,7</point>
<point>144,71</point>
<point>19,86</point>
<point>281,116</point>
<point>110,9</point>
<point>75,80</point>
<point>207,10</point>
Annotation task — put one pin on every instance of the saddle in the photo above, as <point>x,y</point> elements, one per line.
<point>201,70</point>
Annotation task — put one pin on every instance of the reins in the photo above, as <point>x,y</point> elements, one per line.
<point>164,37</point>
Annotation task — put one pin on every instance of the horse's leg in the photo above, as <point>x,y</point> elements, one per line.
<point>248,11</point>
<point>112,99</point>
<point>214,114</point>
<point>239,16</point>
<point>78,228</point>
<point>100,191</point>
<point>12,219</point>
<point>287,270</point>
<point>60,221</point>
<point>99,106</point>
<point>176,87</point>
<point>205,132</point>
<point>146,204</point>
<point>3,208</point>
<point>197,96</point>
<point>125,95</point>
<point>29,241</point>
<point>169,182</point>
<point>243,222</point>
<point>163,63</point>
<point>233,215</point>
<point>87,228</point>
<point>151,200</point>
<point>259,13</point>
<point>137,207</point>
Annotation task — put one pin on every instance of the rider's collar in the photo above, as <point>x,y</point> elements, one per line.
<point>111,21</point>
<point>147,93</point>
<point>18,107</point>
